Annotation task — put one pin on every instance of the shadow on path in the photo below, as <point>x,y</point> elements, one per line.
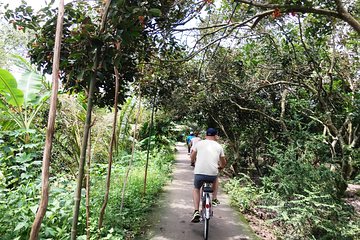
<point>171,218</point>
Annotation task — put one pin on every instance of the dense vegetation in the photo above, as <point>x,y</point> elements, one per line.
<point>280,79</point>
<point>21,151</point>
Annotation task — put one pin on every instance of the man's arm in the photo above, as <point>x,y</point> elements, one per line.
<point>193,156</point>
<point>222,162</point>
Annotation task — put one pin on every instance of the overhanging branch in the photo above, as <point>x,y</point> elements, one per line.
<point>255,111</point>
<point>341,12</point>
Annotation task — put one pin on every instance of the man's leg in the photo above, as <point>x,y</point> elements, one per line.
<point>196,198</point>
<point>215,188</point>
<point>215,191</point>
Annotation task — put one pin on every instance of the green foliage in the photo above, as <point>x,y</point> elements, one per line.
<point>20,142</point>
<point>20,161</point>
<point>161,133</point>
<point>315,215</point>
<point>130,220</point>
<point>18,206</point>
<point>22,99</point>
<point>31,82</point>
<point>127,118</point>
<point>12,41</point>
<point>9,90</point>
<point>244,194</point>
<point>294,173</point>
<point>133,24</point>
<point>70,120</point>
<point>283,93</point>
<point>302,199</point>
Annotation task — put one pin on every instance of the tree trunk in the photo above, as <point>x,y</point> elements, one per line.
<point>149,142</point>
<point>132,154</point>
<point>255,158</point>
<point>113,136</point>
<point>87,126</point>
<point>88,190</point>
<point>50,128</point>
<point>83,149</point>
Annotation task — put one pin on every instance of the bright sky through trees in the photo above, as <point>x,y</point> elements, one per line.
<point>35,4</point>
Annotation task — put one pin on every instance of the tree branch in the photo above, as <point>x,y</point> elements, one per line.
<point>255,111</point>
<point>277,83</point>
<point>341,13</point>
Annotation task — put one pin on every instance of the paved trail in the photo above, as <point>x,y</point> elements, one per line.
<point>171,220</point>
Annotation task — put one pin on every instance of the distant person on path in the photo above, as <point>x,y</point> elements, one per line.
<point>193,141</point>
<point>188,140</point>
<point>208,156</point>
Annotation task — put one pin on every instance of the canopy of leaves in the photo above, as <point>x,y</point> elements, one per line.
<point>135,31</point>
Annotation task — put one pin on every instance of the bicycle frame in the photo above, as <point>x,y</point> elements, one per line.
<point>206,211</point>
<point>206,200</point>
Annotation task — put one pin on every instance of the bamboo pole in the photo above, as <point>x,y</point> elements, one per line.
<point>45,186</point>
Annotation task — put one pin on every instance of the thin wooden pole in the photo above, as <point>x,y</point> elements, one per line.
<point>132,154</point>
<point>87,126</point>
<point>112,142</point>
<point>45,186</point>
<point>88,188</point>
<point>83,150</point>
<point>149,142</point>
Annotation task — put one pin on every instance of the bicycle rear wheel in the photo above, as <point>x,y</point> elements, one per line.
<point>206,228</point>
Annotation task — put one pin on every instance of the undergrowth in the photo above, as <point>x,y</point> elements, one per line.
<point>18,207</point>
<point>297,199</point>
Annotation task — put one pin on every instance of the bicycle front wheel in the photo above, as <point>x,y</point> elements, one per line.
<point>206,228</point>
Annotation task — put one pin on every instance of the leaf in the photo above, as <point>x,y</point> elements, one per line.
<point>2,104</point>
<point>34,209</point>
<point>7,80</point>
<point>30,82</point>
<point>20,226</point>
<point>8,88</point>
<point>135,10</point>
<point>16,98</point>
<point>155,12</point>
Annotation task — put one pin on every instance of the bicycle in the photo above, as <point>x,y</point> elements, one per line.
<point>206,211</point>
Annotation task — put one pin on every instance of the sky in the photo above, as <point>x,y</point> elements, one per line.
<point>36,4</point>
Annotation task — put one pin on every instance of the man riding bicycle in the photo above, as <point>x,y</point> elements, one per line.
<point>208,155</point>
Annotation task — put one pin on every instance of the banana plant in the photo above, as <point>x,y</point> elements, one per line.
<point>20,101</point>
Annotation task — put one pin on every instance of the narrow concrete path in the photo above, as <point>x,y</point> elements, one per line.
<point>171,218</point>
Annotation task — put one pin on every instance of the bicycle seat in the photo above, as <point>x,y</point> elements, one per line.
<point>207,187</point>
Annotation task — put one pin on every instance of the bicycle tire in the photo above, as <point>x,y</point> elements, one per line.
<point>206,217</point>
<point>206,228</point>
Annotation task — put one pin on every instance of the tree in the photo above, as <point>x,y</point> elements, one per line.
<point>281,68</point>
<point>12,41</point>
<point>335,9</point>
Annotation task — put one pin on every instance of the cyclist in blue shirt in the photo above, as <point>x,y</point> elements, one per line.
<point>188,140</point>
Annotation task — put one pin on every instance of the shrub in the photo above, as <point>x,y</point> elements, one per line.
<point>243,193</point>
